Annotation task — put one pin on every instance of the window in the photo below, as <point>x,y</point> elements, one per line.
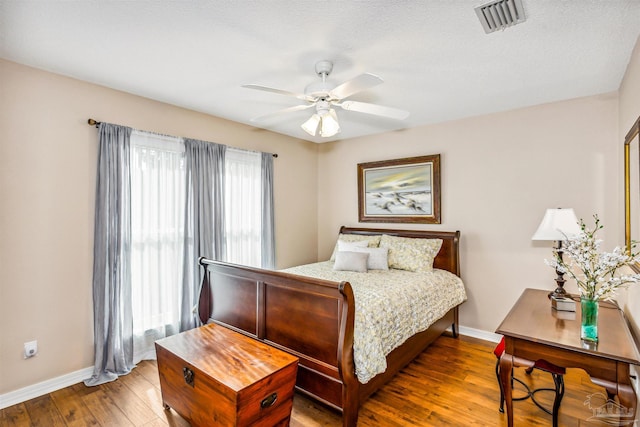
<point>160,203</point>
<point>158,186</point>
<point>243,207</point>
<point>157,232</point>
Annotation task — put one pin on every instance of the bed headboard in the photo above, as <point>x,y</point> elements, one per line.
<point>447,259</point>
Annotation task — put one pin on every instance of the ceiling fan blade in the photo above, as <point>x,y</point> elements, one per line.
<point>378,110</point>
<point>357,84</point>
<point>279,91</point>
<point>283,111</point>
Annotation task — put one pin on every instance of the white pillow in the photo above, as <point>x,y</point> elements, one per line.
<point>373,241</point>
<point>351,246</point>
<point>351,261</point>
<point>378,258</point>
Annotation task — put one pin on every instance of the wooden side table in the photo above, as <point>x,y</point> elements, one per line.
<point>532,332</point>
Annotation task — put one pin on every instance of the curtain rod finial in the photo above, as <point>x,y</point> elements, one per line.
<point>92,122</point>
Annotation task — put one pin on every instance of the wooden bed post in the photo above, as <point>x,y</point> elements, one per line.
<point>346,366</point>
<point>455,325</point>
<point>204,296</point>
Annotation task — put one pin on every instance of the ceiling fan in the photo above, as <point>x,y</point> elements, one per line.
<point>324,96</point>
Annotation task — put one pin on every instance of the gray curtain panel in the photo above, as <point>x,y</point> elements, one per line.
<point>268,229</point>
<point>113,324</point>
<point>204,220</point>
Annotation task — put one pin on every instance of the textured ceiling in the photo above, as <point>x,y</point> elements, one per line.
<point>434,56</point>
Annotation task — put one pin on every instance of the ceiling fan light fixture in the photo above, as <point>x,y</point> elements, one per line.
<point>324,123</point>
<point>311,125</point>
<point>330,125</point>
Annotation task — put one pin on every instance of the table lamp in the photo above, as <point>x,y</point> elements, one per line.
<point>558,225</point>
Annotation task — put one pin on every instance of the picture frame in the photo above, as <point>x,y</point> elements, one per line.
<point>632,189</point>
<point>401,190</point>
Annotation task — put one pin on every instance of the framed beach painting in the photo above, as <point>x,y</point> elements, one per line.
<point>402,190</point>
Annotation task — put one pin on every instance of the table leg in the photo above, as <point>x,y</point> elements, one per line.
<point>628,403</point>
<point>626,395</point>
<point>506,370</point>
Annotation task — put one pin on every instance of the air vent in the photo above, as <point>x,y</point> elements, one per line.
<point>500,14</point>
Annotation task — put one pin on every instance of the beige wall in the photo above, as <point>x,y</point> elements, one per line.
<point>499,174</point>
<point>629,108</point>
<point>47,175</point>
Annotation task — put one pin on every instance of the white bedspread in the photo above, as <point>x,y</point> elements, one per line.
<point>391,306</point>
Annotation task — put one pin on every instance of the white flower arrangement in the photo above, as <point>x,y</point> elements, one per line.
<point>595,272</point>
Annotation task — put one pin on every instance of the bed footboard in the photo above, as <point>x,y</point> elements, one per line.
<point>310,318</point>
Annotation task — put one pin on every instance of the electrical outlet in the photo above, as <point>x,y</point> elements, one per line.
<point>30,349</point>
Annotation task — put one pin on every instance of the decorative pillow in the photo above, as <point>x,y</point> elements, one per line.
<point>373,241</point>
<point>351,261</point>
<point>378,258</point>
<point>406,253</point>
<point>351,246</point>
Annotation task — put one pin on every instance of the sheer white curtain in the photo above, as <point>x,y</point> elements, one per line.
<point>243,207</point>
<point>157,243</point>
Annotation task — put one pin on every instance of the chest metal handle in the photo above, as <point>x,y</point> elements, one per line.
<point>189,376</point>
<point>269,401</point>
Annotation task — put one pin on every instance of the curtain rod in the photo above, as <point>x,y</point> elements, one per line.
<point>96,123</point>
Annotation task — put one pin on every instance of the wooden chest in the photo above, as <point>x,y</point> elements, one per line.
<point>213,376</point>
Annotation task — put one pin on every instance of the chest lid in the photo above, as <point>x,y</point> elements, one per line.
<point>233,359</point>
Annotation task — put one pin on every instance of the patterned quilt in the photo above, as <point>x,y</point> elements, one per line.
<point>391,306</point>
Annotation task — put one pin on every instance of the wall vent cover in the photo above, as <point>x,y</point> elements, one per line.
<point>500,14</point>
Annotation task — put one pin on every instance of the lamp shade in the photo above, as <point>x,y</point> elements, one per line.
<point>311,125</point>
<point>330,125</point>
<point>557,224</point>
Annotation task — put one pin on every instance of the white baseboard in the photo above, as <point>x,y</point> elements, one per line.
<point>54,384</point>
<point>44,387</point>
<point>480,334</point>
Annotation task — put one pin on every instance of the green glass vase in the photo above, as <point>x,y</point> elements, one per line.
<point>589,326</point>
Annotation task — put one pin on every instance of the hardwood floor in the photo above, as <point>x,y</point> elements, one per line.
<point>452,383</point>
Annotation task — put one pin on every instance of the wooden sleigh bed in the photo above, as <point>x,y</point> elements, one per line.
<point>314,320</point>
